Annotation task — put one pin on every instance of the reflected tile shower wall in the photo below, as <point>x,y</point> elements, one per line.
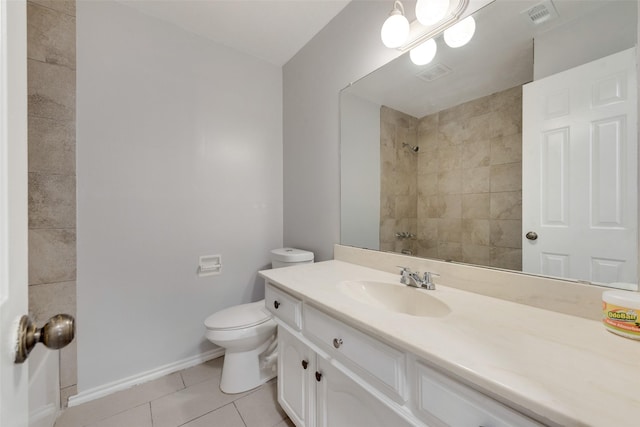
<point>468,181</point>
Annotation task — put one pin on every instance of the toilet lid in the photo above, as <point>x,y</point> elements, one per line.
<point>239,316</point>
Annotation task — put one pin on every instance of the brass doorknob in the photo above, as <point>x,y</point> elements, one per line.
<point>55,334</point>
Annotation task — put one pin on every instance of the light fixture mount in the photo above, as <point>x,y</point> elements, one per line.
<point>419,33</point>
<point>429,12</point>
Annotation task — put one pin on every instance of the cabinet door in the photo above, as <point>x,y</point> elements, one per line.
<point>342,402</point>
<point>444,401</point>
<point>296,367</point>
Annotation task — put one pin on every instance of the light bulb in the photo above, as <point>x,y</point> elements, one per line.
<point>395,30</point>
<point>424,53</point>
<point>429,12</point>
<point>461,33</point>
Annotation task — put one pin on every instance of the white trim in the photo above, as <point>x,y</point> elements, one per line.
<point>14,409</point>
<point>45,416</point>
<point>142,377</point>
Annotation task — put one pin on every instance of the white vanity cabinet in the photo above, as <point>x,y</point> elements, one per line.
<point>439,400</point>
<point>296,378</point>
<point>285,307</point>
<point>340,401</point>
<point>332,375</point>
<point>313,392</point>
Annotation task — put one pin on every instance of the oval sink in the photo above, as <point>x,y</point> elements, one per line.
<point>395,297</point>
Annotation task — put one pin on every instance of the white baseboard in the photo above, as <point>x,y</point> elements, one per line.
<point>44,416</point>
<point>125,383</point>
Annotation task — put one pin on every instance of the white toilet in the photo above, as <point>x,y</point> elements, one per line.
<point>248,334</point>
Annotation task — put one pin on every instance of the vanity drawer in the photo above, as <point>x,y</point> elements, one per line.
<point>283,306</point>
<point>443,401</point>
<point>375,362</point>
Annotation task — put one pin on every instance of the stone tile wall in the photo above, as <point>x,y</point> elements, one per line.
<point>398,198</point>
<point>51,50</point>
<point>469,182</point>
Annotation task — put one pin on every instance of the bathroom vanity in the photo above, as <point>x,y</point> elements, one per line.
<point>357,348</point>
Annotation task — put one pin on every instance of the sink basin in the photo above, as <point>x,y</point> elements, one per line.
<point>395,297</point>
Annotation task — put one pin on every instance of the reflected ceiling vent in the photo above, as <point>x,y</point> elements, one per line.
<point>540,13</point>
<point>434,72</point>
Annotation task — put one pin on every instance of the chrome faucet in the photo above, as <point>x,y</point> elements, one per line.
<point>414,279</point>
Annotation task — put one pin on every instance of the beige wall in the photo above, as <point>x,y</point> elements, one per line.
<point>469,182</point>
<point>51,49</point>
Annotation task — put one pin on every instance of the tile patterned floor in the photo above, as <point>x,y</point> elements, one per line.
<point>189,398</point>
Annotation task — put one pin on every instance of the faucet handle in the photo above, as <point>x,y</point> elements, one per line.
<point>428,283</point>
<point>428,275</point>
<point>404,274</point>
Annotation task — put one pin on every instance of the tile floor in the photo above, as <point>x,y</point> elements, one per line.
<point>189,398</point>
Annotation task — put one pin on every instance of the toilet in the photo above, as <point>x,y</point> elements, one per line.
<point>248,334</point>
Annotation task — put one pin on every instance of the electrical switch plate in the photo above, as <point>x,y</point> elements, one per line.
<point>209,265</point>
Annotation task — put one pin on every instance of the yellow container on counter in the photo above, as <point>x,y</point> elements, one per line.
<point>620,313</point>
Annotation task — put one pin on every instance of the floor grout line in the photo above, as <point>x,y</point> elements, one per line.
<point>239,413</point>
<point>184,384</point>
<point>150,413</point>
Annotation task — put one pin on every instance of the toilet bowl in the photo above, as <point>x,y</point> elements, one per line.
<point>248,334</point>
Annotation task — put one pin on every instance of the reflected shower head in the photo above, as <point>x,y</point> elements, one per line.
<point>413,148</point>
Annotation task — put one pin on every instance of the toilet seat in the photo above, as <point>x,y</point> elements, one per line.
<point>239,317</point>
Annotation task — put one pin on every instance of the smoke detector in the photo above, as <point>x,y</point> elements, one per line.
<point>540,13</point>
<point>434,72</point>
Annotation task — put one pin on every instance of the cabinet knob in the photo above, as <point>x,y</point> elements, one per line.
<point>276,304</point>
<point>305,364</point>
<point>337,342</point>
<point>318,376</point>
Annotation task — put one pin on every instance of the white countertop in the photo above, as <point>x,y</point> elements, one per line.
<point>560,369</point>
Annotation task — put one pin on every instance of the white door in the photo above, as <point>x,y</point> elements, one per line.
<point>13,207</point>
<point>579,172</point>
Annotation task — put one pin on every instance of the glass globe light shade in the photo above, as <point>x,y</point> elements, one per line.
<point>461,33</point>
<point>395,30</point>
<point>429,12</point>
<point>424,53</point>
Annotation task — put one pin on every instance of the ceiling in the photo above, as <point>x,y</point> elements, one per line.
<point>273,30</point>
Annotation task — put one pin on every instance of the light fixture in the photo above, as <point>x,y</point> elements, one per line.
<point>461,33</point>
<point>395,29</point>
<point>424,53</point>
<point>428,12</point>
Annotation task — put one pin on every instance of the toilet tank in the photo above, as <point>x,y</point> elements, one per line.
<point>285,257</point>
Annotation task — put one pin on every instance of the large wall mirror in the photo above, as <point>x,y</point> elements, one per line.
<point>517,151</point>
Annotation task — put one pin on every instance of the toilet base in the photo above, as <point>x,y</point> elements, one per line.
<point>246,370</point>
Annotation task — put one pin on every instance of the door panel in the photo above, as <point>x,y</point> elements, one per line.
<point>555,178</point>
